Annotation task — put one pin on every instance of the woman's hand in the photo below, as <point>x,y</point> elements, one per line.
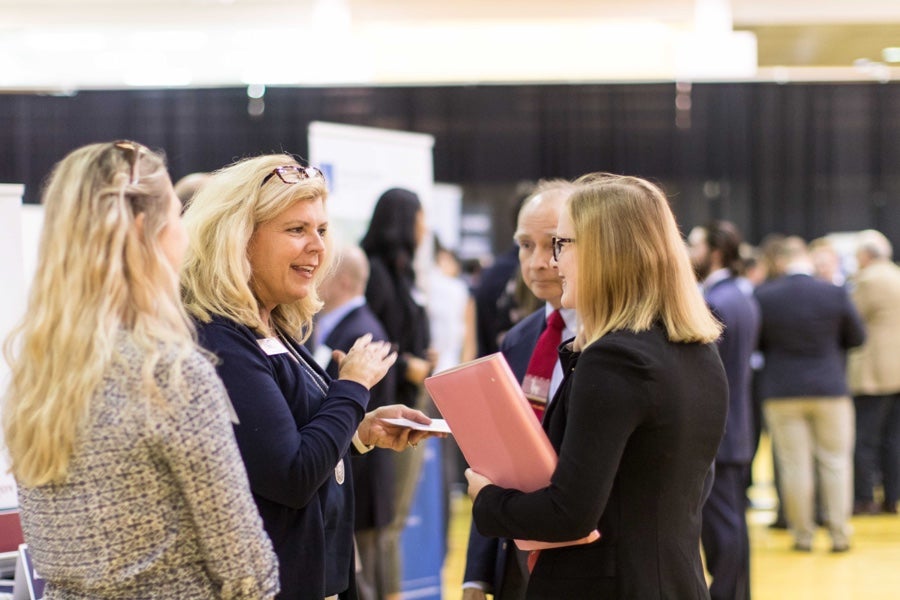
<point>366,362</point>
<point>374,431</point>
<point>477,481</point>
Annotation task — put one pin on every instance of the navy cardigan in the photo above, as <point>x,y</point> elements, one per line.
<point>292,438</point>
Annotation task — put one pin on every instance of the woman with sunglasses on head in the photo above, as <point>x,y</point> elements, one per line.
<point>259,247</point>
<point>639,416</point>
<point>117,427</point>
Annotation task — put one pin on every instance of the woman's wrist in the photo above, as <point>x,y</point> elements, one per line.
<point>361,446</point>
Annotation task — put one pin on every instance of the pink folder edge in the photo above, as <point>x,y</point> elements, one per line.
<point>496,430</point>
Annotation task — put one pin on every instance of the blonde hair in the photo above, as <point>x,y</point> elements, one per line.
<point>633,267</point>
<point>97,274</point>
<point>220,220</point>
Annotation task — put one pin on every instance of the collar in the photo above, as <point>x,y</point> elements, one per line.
<point>717,276</point>
<point>570,318</point>
<point>799,268</point>
<point>326,322</point>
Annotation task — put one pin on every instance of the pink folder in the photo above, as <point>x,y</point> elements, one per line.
<point>496,430</point>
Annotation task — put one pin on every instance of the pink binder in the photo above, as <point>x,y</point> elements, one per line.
<point>496,429</point>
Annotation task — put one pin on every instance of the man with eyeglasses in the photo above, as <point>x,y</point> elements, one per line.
<point>495,565</point>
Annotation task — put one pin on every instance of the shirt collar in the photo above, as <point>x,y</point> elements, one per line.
<point>715,277</point>
<point>570,318</point>
<point>326,322</point>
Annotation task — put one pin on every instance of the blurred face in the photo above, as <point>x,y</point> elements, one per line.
<point>825,263</point>
<point>286,252</point>
<point>173,239</point>
<point>567,265</point>
<point>537,226</point>
<point>698,250</point>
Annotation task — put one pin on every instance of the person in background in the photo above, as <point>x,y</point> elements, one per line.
<point>451,310</point>
<point>395,232</point>
<point>826,261</point>
<point>344,318</point>
<point>451,320</point>
<point>117,427</point>
<point>259,248</point>
<point>495,565</point>
<point>873,374</point>
<point>807,327</point>
<point>715,254</point>
<point>638,417</point>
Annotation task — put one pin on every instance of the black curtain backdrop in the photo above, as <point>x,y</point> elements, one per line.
<point>805,159</point>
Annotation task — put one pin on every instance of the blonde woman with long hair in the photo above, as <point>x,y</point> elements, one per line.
<point>117,427</point>
<point>259,247</point>
<point>640,413</point>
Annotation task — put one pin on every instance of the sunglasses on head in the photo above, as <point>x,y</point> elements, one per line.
<point>293,174</point>
<point>132,153</point>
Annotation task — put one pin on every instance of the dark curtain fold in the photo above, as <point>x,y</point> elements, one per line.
<point>804,159</point>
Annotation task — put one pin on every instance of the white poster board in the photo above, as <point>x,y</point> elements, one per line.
<point>360,163</point>
<point>12,300</point>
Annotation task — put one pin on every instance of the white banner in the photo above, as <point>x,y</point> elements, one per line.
<point>12,301</point>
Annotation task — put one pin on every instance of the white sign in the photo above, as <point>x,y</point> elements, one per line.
<point>361,163</point>
<point>12,301</point>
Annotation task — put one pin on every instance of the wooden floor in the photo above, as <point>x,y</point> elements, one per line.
<point>870,571</point>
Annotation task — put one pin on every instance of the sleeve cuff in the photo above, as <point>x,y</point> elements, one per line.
<point>358,444</point>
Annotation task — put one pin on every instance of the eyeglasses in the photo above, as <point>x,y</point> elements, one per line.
<point>132,153</point>
<point>293,174</point>
<point>558,243</point>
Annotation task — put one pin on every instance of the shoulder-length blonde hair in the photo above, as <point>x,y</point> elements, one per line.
<point>220,220</point>
<point>97,274</point>
<point>633,267</point>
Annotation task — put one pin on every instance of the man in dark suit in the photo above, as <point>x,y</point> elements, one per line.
<point>807,327</point>
<point>495,565</point>
<point>715,256</point>
<point>345,317</point>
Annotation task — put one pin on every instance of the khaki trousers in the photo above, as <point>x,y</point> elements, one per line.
<point>814,433</point>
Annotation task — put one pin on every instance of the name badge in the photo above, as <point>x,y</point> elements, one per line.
<point>322,356</point>
<point>339,472</point>
<point>272,346</point>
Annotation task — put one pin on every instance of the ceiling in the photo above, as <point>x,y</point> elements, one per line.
<point>62,44</point>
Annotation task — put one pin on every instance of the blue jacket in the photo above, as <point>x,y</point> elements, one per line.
<point>291,440</point>
<point>739,313</point>
<point>807,327</point>
<point>374,473</point>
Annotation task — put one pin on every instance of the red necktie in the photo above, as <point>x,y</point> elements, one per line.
<point>543,360</point>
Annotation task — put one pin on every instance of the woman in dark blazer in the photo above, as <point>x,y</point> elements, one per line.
<point>259,248</point>
<point>639,416</point>
<point>395,232</point>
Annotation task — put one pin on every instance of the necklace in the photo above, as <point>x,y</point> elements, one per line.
<point>317,379</point>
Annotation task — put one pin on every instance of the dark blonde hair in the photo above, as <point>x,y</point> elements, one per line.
<point>633,266</point>
<point>220,220</point>
<point>97,274</point>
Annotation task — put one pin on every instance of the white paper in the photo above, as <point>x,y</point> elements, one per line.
<point>437,425</point>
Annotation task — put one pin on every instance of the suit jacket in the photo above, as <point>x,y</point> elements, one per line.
<point>807,327</point>
<point>486,556</point>
<point>874,368</point>
<point>636,422</point>
<point>373,472</point>
<point>291,439</point>
<point>739,313</point>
